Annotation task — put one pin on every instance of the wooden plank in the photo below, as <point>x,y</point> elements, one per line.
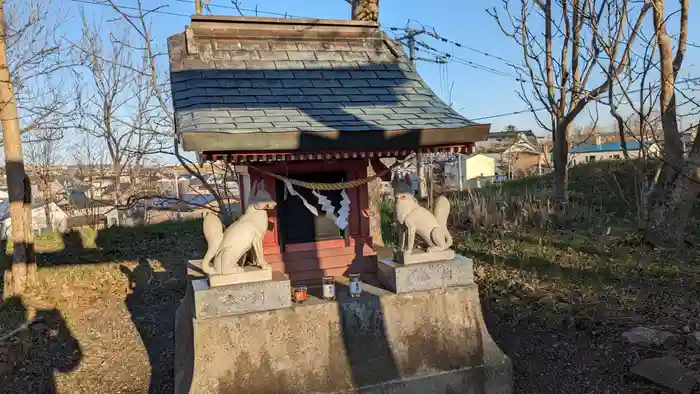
<point>332,140</point>
<point>316,246</point>
<point>282,21</point>
<point>323,253</point>
<point>366,265</point>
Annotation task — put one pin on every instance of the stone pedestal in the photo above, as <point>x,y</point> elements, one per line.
<point>423,257</point>
<point>241,297</point>
<point>431,341</point>
<point>406,278</point>
<point>249,274</point>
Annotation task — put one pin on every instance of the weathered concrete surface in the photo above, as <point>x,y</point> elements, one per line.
<point>241,297</point>
<point>249,274</point>
<point>424,342</point>
<point>406,278</point>
<point>423,257</point>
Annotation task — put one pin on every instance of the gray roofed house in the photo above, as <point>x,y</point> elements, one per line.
<point>243,84</point>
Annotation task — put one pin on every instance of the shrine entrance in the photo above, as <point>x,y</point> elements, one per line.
<point>296,223</point>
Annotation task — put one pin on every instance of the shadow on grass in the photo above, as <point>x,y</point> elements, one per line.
<point>581,247</point>
<point>156,284</point>
<point>152,302</point>
<point>547,269</point>
<point>33,351</point>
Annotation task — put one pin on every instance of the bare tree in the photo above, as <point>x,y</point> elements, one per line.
<point>35,56</point>
<point>44,152</point>
<point>91,170</point>
<point>116,106</point>
<point>163,121</point>
<point>567,62</point>
<point>669,217</point>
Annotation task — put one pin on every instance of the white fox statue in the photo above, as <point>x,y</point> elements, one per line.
<point>412,219</point>
<point>227,250</point>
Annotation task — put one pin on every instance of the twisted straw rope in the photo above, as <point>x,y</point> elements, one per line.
<point>333,186</point>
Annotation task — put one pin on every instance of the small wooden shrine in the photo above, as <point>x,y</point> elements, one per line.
<point>308,100</point>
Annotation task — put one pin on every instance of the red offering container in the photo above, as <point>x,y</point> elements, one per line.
<point>300,294</point>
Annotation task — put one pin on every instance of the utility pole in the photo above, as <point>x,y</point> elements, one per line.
<point>23,272</point>
<point>198,7</point>
<point>459,169</point>
<point>411,38</point>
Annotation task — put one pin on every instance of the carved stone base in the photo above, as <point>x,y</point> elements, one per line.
<point>249,274</point>
<point>423,257</point>
<point>244,297</point>
<point>405,278</point>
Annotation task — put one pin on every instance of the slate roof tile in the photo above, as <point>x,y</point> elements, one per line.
<point>251,85</point>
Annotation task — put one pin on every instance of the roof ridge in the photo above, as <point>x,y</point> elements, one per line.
<point>282,21</point>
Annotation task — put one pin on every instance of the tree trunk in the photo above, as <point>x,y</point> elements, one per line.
<point>46,194</point>
<point>47,213</point>
<point>117,189</point>
<point>375,212</point>
<point>669,218</point>
<point>19,190</point>
<point>560,153</point>
<point>673,147</point>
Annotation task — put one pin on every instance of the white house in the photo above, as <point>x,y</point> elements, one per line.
<point>39,220</point>
<point>472,166</point>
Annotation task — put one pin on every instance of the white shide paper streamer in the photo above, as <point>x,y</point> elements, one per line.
<point>342,219</point>
<point>293,192</point>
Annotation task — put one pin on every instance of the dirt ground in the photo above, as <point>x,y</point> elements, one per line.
<point>557,309</point>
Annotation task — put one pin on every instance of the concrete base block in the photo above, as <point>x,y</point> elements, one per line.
<point>406,278</point>
<point>422,342</point>
<point>265,295</point>
<point>423,257</point>
<point>249,274</point>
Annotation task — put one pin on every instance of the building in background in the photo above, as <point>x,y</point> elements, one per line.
<point>476,170</point>
<point>515,153</point>
<point>57,217</point>
<point>601,151</point>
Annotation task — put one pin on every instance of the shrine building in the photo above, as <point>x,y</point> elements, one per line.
<point>309,100</point>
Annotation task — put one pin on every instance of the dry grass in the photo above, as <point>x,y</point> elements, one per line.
<point>113,300</point>
<point>557,289</point>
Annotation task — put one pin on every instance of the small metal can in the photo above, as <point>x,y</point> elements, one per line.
<point>300,294</point>
<point>328,288</point>
<point>355,286</point>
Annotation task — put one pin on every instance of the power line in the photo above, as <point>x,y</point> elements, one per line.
<point>145,11</point>
<point>509,114</point>
<point>685,80</point>
<point>435,35</point>
<point>162,12</point>
<point>465,61</point>
<point>255,10</point>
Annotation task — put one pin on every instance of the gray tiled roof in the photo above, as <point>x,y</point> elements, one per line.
<point>259,84</point>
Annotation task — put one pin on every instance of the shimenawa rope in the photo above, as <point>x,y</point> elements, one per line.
<point>332,186</point>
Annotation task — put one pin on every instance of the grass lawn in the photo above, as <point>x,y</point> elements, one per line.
<point>112,302</point>
<point>557,292</point>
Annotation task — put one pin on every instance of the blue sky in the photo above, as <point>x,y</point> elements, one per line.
<point>476,93</point>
